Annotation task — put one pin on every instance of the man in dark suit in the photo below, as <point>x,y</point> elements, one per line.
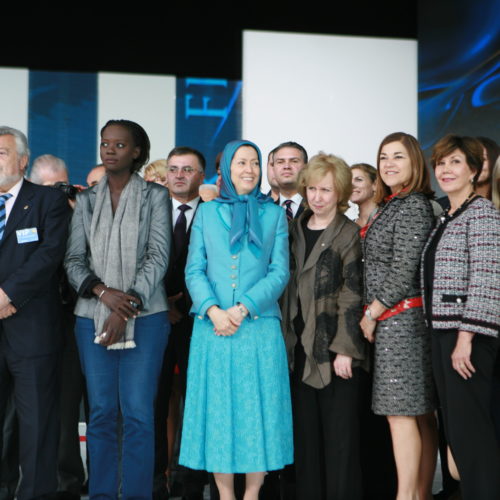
<point>185,174</point>
<point>48,170</point>
<point>33,233</point>
<point>289,158</point>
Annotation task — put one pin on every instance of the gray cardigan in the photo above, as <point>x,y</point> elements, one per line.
<point>153,250</point>
<point>466,284</point>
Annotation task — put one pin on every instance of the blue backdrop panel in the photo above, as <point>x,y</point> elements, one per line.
<point>459,69</point>
<point>62,119</point>
<point>208,115</point>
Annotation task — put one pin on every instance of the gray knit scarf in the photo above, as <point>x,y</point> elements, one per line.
<point>113,248</point>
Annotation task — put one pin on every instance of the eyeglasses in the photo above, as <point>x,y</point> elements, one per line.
<point>184,170</point>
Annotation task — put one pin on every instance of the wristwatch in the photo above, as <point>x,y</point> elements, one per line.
<point>241,309</point>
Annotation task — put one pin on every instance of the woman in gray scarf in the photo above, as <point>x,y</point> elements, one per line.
<point>116,259</point>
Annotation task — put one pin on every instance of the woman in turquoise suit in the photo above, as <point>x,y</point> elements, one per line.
<point>237,416</point>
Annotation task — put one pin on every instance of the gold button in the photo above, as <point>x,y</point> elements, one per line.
<point>233,285</point>
<point>234,256</point>
<point>233,276</point>
<point>233,267</point>
<point>255,317</point>
<point>459,300</point>
<point>200,317</point>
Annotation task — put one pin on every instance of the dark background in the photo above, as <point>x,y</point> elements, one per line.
<point>186,41</point>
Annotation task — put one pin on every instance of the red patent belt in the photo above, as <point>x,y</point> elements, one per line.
<point>400,307</point>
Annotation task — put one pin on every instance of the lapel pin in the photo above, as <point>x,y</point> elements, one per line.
<point>26,207</point>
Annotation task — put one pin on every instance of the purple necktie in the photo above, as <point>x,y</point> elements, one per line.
<point>288,209</point>
<point>180,228</point>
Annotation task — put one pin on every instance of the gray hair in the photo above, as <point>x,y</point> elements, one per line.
<point>21,141</point>
<point>51,162</point>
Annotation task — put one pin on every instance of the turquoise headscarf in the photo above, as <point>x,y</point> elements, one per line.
<point>245,207</point>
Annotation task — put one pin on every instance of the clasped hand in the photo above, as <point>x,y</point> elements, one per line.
<point>120,302</point>
<point>122,309</point>
<point>226,322</point>
<point>112,330</point>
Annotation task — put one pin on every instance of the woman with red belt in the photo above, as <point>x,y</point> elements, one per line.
<point>403,389</point>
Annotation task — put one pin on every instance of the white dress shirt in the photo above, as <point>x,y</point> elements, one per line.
<point>14,191</point>
<point>188,213</point>
<point>296,201</point>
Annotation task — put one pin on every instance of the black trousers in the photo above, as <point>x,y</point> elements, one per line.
<point>326,438</point>
<point>466,413</point>
<point>36,391</point>
<point>9,445</point>
<point>70,471</point>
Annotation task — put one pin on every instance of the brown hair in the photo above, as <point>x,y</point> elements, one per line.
<point>419,182</point>
<point>368,169</point>
<point>492,152</point>
<point>318,167</point>
<point>470,147</point>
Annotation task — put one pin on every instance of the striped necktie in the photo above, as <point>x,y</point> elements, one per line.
<point>288,209</point>
<point>3,212</point>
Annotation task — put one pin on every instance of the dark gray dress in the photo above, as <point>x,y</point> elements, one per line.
<point>402,379</point>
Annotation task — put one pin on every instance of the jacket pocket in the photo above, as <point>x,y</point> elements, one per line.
<point>458,299</point>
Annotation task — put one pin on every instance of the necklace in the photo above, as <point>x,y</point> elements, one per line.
<point>447,215</point>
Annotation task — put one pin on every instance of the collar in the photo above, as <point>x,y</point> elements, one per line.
<point>296,198</point>
<point>192,203</point>
<point>14,190</point>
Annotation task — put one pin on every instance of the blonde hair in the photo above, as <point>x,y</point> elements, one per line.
<point>495,184</point>
<point>157,167</point>
<point>320,166</point>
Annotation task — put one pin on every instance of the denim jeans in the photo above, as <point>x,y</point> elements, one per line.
<point>122,381</point>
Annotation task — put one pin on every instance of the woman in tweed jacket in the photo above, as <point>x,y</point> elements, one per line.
<point>392,245</point>
<point>461,288</point>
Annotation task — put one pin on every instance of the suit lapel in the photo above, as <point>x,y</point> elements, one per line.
<point>20,210</point>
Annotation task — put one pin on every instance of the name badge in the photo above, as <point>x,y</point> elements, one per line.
<point>27,235</point>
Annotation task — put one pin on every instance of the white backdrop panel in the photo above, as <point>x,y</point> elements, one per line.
<point>14,88</point>
<point>338,94</point>
<point>146,99</point>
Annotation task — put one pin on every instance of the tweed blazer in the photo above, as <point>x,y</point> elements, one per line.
<point>328,285</point>
<point>153,250</point>
<point>393,247</point>
<point>466,285</point>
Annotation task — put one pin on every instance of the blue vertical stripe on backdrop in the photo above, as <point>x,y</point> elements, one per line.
<point>62,119</point>
<point>208,115</point>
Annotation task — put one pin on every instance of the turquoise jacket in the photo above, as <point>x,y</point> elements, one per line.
<point>215,275</point>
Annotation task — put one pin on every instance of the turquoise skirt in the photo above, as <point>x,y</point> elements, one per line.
<point>237,414</point>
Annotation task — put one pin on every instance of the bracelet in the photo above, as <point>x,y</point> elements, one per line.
<point>368,314</point>
<point>102,293</point>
